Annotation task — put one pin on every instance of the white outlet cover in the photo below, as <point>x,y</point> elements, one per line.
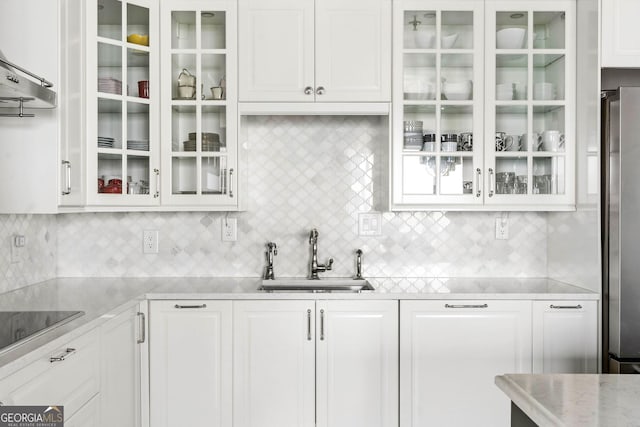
<point>370,224</point>
<point>502,228</point>
<point>150,241</point>
<point>229,229</point>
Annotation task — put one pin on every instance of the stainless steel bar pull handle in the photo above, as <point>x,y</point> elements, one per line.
<point>67,165</point>
<point>492,183</point>
<point>231,182</point>
<point>478,181</point>
<point>191,306</point>
<point>157,193</point>
<point>309,325</point>
<point>143,331</point>
<point>63,356</point>
<point>466,305</point>
<point>562,307</point>
<point>321,325</point>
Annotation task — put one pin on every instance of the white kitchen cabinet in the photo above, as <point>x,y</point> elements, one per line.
<point>484,105</point>
<point>450,352</point>
<point>89,415</point>
<point>122,389</point>
<point>199,104</point>
<point>306,363</point>
<point>565,337</point>
<point>619,42</point>
<point>315,50</point>
<point>68,376</point>
<point>190,363</point>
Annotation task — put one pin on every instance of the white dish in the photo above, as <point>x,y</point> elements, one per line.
<point>424,39</point>
<point>510,38</point>
<point>449,40</point>
<point>457,91</point>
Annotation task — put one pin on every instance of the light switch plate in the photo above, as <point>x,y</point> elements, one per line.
<point>370,224</point>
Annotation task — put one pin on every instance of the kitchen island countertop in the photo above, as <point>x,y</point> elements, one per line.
<point>104,298</point>
<point>585,400</point>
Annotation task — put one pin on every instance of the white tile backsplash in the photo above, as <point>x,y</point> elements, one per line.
<point>305,172</point>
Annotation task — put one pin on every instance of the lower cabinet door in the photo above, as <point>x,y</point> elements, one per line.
<point>88,415</point>
<point>273,366</point>
<point>190,363</point>
<point>357,363</point>
<point>450,353</point>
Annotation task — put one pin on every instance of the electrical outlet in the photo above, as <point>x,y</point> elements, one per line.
<point>229,229</point>
<point>18,242</point>
<point>502,228</point>
<point>150,241</point>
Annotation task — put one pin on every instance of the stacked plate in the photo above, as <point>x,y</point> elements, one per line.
<point>105,142</point>
<point>109,85</point>
<point>138,145</point>
<point>210,142</point>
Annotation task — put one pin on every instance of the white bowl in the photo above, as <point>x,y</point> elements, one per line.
<point>424,39</point>
<point>449,40</point>
<point>510,38</point>
<point>456,91</point>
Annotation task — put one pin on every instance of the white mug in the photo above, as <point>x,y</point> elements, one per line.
<point>552,140</point>
<point>536,141</point>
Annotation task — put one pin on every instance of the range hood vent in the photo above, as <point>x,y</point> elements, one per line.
<point>17,91</point>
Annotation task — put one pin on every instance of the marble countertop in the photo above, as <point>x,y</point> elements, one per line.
<point>584,400</point>
<point>103,298</point>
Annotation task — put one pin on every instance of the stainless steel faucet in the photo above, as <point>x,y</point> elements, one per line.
<point>358,265</point>
<point>314,267</point>
<point>272,250</point>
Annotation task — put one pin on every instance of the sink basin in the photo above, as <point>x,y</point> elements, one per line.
<point>323,285</point>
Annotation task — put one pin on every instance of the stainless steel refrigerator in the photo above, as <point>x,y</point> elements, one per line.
<point>621,229</point>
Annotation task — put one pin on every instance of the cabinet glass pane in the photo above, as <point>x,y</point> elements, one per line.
<point>511,175</point>
<point>548,77</point>
<point>184,82</point>
<point>419,30</point>
<point>110,19</point>
<point>109,123</point>
<point>420,128</point>
<point>110,69</point>
<point>183,128</point>
<point>138,73</point>
<point>511,125</point>
<point>548,175</point>
<point>213,175</point>
<point>457,30</point>
<point>548,30</point>
<point>457,120</point>
<point>456,175</point>
<point>419,76</point>
<point>213,30</point>
<point>457,77</point>
<point>418,175</point>
<point>109,173</point>
<point>214,126</point>
<point>183,175</point>
<point>138,175</point>
<point>511,77</point>
<point>183,30</point>
<point>138,25</point>
<point>213,76</point>
<point>548,123</point>
<point>137,126</point>
<point>511,29</point>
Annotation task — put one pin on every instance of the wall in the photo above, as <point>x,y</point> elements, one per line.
<point>37,260</point>
<point>307,172</point>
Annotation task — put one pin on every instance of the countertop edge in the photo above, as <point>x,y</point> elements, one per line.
<point>529,405</point>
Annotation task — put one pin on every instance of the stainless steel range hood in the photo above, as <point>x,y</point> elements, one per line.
<point>18,91</point>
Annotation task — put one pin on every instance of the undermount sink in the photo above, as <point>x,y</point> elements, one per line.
<point>323,285</point>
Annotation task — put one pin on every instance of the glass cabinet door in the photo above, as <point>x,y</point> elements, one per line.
<point>529,90</point>
<point>199,91</point>
<point>437,137</point>
<point>126,88</point>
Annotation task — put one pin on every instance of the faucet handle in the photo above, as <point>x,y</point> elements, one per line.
<point>329,264</point>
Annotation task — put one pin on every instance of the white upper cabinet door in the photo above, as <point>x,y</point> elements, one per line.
<point>273,364</point>
<point>276,50</point>
<point>353,50</point>
<point>190,366</point>
<point>450,353</point>
<point>357,363</point>
<point>620,44</point>
<point>565,337</point>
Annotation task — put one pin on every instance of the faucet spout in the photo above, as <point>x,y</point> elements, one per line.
<point>272,251</point>
<point>314,266</point>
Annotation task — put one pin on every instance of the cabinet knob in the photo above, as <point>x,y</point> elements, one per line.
<point>320,90</point>
<point>308,90</point>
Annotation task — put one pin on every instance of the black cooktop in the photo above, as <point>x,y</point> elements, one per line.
<point>18,326</point>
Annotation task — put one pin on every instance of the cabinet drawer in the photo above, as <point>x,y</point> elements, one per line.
<point>70,381</point>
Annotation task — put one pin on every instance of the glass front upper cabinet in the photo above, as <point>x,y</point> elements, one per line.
<point>125,143</point>
<point>437,103</point>
<point>199,112</point>
<point>530,95</point>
